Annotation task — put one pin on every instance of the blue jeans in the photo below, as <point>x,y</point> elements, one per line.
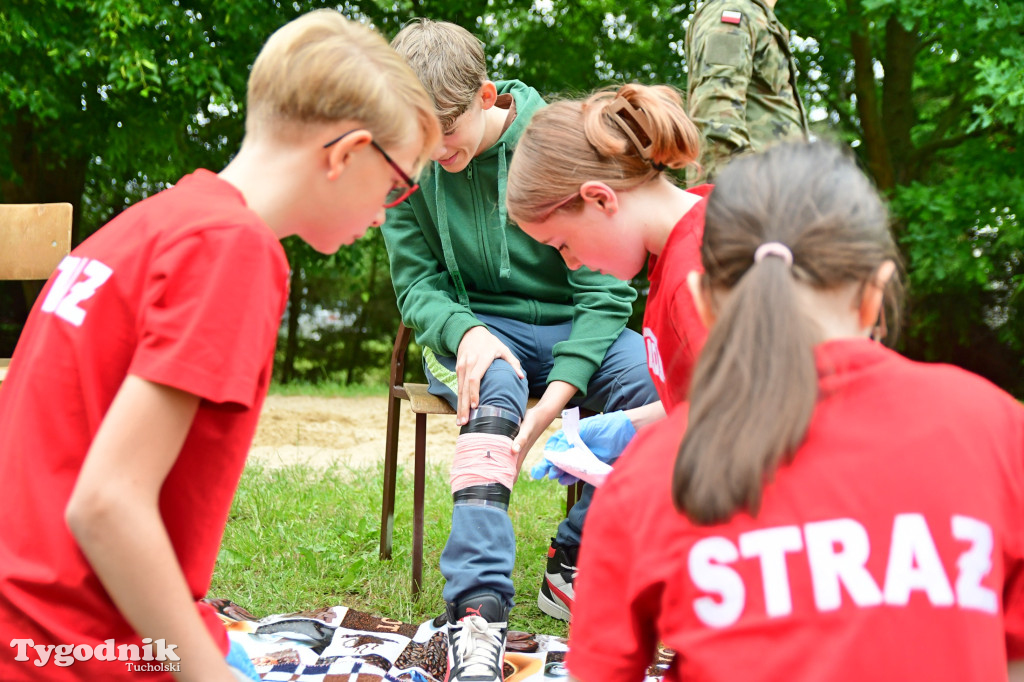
<point>481,546</point>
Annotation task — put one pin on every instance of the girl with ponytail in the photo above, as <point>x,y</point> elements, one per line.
<point>822,508</point>
<point>589,178</point>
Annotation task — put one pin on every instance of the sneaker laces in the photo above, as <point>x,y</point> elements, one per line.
<point>479,646</point>
<point>575,571</point>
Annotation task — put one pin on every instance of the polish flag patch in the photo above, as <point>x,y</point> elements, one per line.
<point>731,17</point>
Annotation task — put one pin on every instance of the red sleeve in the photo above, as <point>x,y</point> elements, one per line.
<point>210,313</point>
<point>684,318</point>
<point>1013,587</point>
<point>692,334</point>
<point>215,626</point>
<point>612,635</point>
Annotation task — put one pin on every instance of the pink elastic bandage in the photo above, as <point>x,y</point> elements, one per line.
<point>482,458</point>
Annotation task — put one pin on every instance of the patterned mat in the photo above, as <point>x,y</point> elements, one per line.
<point>339,644</point>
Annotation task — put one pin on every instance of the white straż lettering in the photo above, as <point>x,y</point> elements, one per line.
<point>66,293</point>
<point>708,574</point>
<point>831,567</point>
<point>770,545</point>
<point>974,565</point>
<point>914,564</point>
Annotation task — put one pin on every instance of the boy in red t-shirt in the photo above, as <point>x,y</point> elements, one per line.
<point>613,209</point>
<point>822,508</point>
<point>134,391</point>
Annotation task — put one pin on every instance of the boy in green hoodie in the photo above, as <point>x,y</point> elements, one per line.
<point>500,317</point>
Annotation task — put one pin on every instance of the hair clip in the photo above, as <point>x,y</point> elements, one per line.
<point>632,121</point>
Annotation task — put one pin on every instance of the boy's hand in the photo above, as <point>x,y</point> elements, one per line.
<point>477,350</point>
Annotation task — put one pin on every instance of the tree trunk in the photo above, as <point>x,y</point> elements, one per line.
<point>291,343</point>
<point>874,135</point>
<point>354,339</point>
<point>898,114</point>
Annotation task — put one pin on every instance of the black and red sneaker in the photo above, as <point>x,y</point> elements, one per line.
<point>556,596</point>
<point>477,628</point>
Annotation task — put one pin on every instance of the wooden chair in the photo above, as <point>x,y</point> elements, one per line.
<point>33,240</point>
<point>422,403</point>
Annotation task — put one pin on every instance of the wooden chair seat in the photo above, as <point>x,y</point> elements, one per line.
<point>33,240</point>
<point>422,403</point>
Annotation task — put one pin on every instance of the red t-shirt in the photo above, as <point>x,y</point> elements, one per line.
<point>891,548</point>
<point>673,331</point>
<point>185,289</point>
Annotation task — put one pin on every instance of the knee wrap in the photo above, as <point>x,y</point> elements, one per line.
<point>489,495</point>
<point>483,458</point>
<point>495,420</point>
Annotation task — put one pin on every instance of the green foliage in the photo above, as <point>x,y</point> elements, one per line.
<point>326,389</point>
<point>103,102</point>
<point>354,287</point>
<point>299,539</point>
<point>949,115</point>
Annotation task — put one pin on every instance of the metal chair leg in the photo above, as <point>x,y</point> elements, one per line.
<point>572,495</point>
<point>419,480</point>
<point>387,508</point>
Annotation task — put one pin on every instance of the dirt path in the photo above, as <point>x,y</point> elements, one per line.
<point>350,431</point>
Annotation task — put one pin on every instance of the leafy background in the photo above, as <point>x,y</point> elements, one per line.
<point>105,102</point>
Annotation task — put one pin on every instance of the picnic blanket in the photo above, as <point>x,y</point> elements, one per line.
<point>339,644</point>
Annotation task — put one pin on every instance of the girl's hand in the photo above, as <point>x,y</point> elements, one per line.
<point>540,416</point>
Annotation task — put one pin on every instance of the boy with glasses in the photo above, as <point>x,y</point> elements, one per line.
<point>134,391</point>
<point>500,318</point>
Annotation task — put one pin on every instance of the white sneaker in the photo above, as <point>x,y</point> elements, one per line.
<point>477,627</point>
<point>557,596</point>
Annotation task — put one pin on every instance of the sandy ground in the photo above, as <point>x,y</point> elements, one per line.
<point>348,431</point>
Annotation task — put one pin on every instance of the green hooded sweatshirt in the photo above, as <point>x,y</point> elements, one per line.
<point>454,253</point>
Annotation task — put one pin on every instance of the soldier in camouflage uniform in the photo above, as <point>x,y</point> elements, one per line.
<point>742,80</point>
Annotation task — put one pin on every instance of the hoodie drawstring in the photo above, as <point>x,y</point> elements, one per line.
<point>446,245</point>
<point>505,270</point>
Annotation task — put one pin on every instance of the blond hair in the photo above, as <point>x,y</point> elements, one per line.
<point>449,61</point>
<point>622,137</point>
<point>321,68</point>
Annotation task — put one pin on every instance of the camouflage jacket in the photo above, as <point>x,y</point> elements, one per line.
<point>741,85</point>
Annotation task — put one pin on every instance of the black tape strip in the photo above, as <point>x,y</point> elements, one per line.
<point>492,425</point>
<point>491,495</point>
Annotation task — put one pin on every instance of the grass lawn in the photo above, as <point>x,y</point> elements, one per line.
<point>299,538</point>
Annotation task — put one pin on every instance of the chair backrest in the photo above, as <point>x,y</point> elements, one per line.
<point>33,239</point>
<point>397,375</point>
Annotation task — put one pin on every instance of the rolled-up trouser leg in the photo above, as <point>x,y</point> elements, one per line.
<point>480,551</point>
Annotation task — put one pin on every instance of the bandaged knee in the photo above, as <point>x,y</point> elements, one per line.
<point>484,467</point>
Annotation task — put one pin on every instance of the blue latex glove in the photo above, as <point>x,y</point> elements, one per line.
<point>606,435</point>
<point>545,469</point>
<point>240,663</point>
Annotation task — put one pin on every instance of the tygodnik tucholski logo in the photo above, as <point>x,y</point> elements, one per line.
<point>152,656</point>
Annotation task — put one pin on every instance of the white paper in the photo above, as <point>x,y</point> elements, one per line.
<point>578,460</point>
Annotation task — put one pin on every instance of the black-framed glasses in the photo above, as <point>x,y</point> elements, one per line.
<point>397,194</point>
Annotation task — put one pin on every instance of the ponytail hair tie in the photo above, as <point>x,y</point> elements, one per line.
<point>777,249</point>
